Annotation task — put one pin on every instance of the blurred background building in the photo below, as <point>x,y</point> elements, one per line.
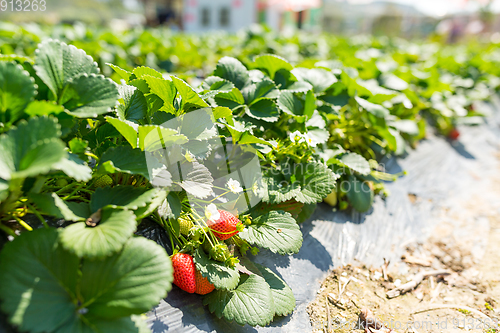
<point>405,18</point>
<point>232,15</point>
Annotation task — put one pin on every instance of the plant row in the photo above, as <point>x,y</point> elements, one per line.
<point>112,190</point>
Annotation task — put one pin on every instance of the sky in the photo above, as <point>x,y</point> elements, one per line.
<point>438,7</point>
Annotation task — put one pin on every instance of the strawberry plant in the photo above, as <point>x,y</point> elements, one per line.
<point>91,154</point>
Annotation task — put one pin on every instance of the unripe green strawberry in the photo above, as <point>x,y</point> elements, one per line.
<point>184,272</point>
<point>103,181</point>
<point>203,286</point>
<point>196,233</point>
<point>220,252</point>
<point>226,226</point>
<point>331,198</point>
<point>61,182</point>
<point>343,205</point>
<point>185,224</point>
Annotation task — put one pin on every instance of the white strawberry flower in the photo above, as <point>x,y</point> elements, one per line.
<point>234,186</point>
<point>296,137</point>
<point>211,212</point>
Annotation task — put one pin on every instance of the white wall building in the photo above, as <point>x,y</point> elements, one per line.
<point>209,15</point>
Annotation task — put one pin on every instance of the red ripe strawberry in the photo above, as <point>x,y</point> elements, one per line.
<point>203,287</point>
<point>225,225</point>
<point>454,134</point>
<point>184,272</point>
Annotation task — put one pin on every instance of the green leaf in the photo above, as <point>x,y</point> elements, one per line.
<point>353,87</point>
<point>160,117</point>
<point>153,137</point>
<point>407,126</point>
<point>291,206</point>
<point>391,81</point>
<point>15,57</point>
<point>164,89</point>
<point>198,125</point>
<point>126,128</point>
<point>190,98</point>
<point>299,86</point>
<point>221,276</point>
<point>215,84</point>
<point>123,196</point>
<point>17,90</point>
<point>272,63</point>
<point>133,105</point>
<point>120,71</point>
<point>283,298</point>
<point>400,142</point>
<point>171,207</point>
<point>149,209</point>
<point>378,94</point>
<point>278,189</point>
<point>375,109</point>
<point>91,95</point>
<point>276,231</point>
<point>78,146</point>
<point>197,180</point>
<point>30,149</point>
<point>241,133</point>
<point>142,71</point>
<point>124,159</point>
<point>108,237</point>
<point>75,168</point>
<point>309,104</point>
<point>306,212</point>
<point>319,78</point>
<point>250,303</point>
<point>359,194</point>
<point>51,204</point>
<point>265,89</point>
<point>231,99</point>
<point>43,108</point>
<point>318,135</point>
<point>289,103</point>
<point>140,84</point>
<point>356,162</point>
<point>388,136</point>
<point>38,281</point>
<point>43,298</point>
<point>57,63</point>
<point>339,100</point>
<point>132,324</point>
<point>222,112</point>
<point>4,189</point>
<point>130,283</point>
<point>232,70</point>
<point>315,181</point>
<point>264,109</point>
<point>40,159</point>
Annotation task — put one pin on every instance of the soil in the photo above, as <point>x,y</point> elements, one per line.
<point>467,299</point>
